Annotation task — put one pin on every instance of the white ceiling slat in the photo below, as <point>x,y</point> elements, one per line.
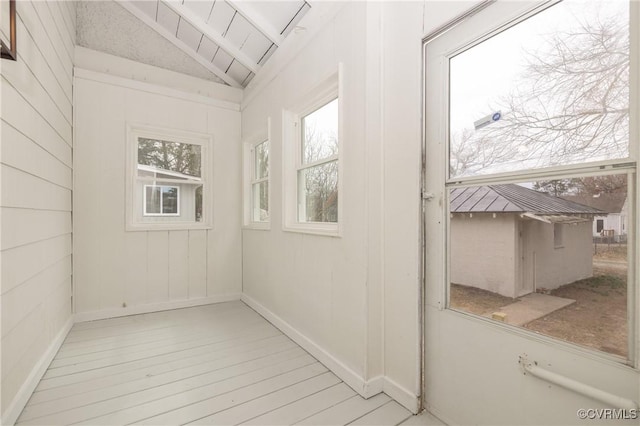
<point>202,8</point>
<point>221,16</point>
<point>178,43</point>
<point>251,41</point>
<point>189,34</point>
<point>202,26</point>
<point>303,10</point>
<point>257,19</point>
<point>222,60</point>
<point>167,18</point>
<point>268,54</point>
<point>207,49</point>
<point>148,7</point>
<point>238,71</point>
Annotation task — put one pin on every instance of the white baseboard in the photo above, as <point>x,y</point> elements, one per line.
<point>366,388</point>
<point>350,377</point>
<point>153,307</point>
<point>404,397</point>
<point>29,386</point>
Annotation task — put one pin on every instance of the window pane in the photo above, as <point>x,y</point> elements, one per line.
<point>549,256</point>
<point>260,202</point>
<point>320,133</point>
<point>552,90</point>
<point>172,160</point>
<point>152,199</point>
<point>262,160</point>
<point>318,193</point>
<point>169,200</point>
<point>199,203</point>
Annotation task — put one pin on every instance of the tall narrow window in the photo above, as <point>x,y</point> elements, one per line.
<point>318,167</point>
<point>312,164</point>
<point>260,183</point>
<point>167,180</point>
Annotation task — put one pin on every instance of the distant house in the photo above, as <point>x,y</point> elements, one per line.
<point>512,240</point>
<point>614,223</point>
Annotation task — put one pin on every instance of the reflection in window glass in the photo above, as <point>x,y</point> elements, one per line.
<point>262,160</point>
<point>320,133</point>
<point>198,201</point>
<point>552,90</point>
<point>260,183</point>
<point>261,201</point>
<point>173,159</point>
<point>318,196</point>
<point>506,265</point>
<point>161,200</point>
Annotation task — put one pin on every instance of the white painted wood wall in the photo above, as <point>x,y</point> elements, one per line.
<point>36,135</point>
<point>118,272</point>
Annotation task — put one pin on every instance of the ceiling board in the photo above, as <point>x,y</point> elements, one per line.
<point>201,8</point>
<point>150,8</point>
<point>207,48</point>
<point>167,18</point>
<point>222,60</point>
<point>278,13</point>
<point>221,17</point>
<point>189,34</point>
<point>238,72</point>
<point>305,8</point>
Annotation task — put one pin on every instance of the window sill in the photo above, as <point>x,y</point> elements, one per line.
<point>326,230</point>
<point>257,226</point>
<point>167,227</point>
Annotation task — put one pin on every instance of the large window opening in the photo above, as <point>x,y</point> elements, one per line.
<point>540,168</point>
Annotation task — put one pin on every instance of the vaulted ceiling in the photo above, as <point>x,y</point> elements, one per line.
<point>227,41</point>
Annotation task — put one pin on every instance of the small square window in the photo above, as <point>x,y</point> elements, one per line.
<point>167,181</point>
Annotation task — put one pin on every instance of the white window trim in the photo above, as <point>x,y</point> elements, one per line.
<point>248,166</point>
<point>144,200</point>
<point>135,131</point>
<point>328,90</point>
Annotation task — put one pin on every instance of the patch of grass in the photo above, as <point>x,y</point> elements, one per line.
<point>602,284</point>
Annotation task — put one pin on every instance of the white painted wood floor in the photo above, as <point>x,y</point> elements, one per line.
<point>214,364</point>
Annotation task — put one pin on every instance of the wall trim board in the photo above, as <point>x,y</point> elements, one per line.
<point>29,386</point>
<point>403,396</point>
<point>154,307</point>
<point>153,88</point>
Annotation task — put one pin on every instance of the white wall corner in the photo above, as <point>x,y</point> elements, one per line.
<point>29,386</point>
<point>347,375</point>
<point>154,307</point>
<point>403,396</point>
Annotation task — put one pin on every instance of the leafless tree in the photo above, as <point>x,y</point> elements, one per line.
<point>571,105</point>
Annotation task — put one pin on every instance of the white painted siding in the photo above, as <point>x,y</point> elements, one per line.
<point>36,176</point>
<point>113,268</point>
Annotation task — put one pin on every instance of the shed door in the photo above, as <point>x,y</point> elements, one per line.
<point>526,268</point>
<point>536,101</point>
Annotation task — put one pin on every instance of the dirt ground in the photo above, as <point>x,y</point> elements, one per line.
<point>598,318</point>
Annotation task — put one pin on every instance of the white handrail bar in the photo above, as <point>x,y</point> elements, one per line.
<point>576,386</point>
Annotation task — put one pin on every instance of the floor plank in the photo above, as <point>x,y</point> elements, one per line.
<point>213,364</point>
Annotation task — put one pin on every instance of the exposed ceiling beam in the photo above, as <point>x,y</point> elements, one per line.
<point>201,25</point>
<point>178,43</point>
<point>251,15</point>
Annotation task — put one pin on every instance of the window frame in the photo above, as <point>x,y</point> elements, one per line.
<point>135,219</point>
<point>629,164</point>
<point>330,89</point>
<point>161,214</point>
<point>250,179</point>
